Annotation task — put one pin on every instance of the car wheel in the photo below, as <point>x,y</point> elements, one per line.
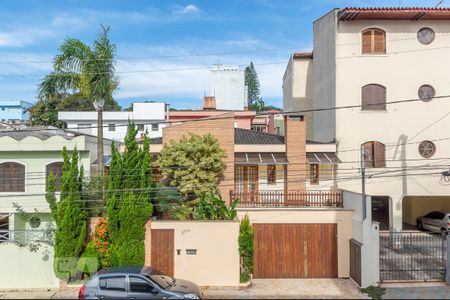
<point>419,225</point>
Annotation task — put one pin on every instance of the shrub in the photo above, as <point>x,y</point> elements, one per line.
<point>102,242</point>
<point>88,262</point>
<point>212,207</point>
<point>246,247</point>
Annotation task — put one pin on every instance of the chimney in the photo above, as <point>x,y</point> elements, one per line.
<point>209,102</point>
<point>295,141</point>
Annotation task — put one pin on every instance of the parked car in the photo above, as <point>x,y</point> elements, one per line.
<point>437,221</point>
<point>137,283</point>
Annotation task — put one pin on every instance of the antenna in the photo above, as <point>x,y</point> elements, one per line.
<point>439,3</point>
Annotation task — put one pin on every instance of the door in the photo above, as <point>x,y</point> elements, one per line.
<point>246,182</point>
<point>141,288</point>
<point>295,251</point>
<point>112,287</point>
<point>162,252</point>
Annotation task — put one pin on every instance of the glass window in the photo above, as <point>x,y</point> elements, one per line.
<point>373,41</point>
<point>155,127</point>
<point>139,285</point>
<point>374,155</point>
<point>12,177</point>
<point>427,149</point>
<point>35,222</point>
<point>426,93</point>
<point>111,127</point>
<point>140,127</point>
<point>271,174</point>
<point>113,283</point>
<point>314,173</point>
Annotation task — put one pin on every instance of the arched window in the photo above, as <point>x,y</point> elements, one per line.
<point>12,177</point>
<point>374,155</point>
<point>373,97</point>
<point>373,41</point>
<point>56,169</point>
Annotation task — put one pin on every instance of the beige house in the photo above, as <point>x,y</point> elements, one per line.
<point>365,58</point>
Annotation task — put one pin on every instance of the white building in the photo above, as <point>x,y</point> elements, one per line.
<point>366,58</point>
<point>228,86</point>
<point>148,116</point>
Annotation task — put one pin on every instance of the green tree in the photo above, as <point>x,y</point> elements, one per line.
<point>246,248</point>
<point>86,72</point>
<point>193,164</point>
<point>252,83</point>
<point>128,200</point>
<point>69,217</point>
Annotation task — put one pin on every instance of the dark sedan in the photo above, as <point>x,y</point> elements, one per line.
<point>137,283</point>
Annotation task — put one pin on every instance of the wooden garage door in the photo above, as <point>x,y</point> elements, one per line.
<point>162,253</point>
<point>295,251</point>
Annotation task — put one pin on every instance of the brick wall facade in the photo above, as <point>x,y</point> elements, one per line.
<point>295,139</point>
<point>222,127</point>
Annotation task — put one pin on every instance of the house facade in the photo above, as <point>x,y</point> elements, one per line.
<point>227,85</point>
<point>14,111</point>
<point>385,66</point>
<point>148,116</point>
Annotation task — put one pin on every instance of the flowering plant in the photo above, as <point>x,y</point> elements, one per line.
<point>102,241</point>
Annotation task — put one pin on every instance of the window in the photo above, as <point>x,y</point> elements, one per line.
<point>374,155</point>
<point>427,149</point>
<point>139,285</point>
<point>113,283</point>
<point>55,168</point>
<point>425,35</point>
<point>35,222</point>
<point>140,127</point>
<point>155,127</point>
<point>111,127</point>
<point>426,92</point>
<point>373,41</point>
<point>271,174</point>
<point>314,174</point>
<point>259,128</point>
<point>12,177</point>
<point>373,97</point>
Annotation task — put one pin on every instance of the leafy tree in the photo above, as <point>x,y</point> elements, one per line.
<point>212,207</point>
<point>246,248</point>
<point>69,217</point>
<point>84,71</point>
<point>128,200</point>
<point>193,164</point>
<point>252,83</point>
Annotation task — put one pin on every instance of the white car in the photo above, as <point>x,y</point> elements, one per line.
<point>436,221</point>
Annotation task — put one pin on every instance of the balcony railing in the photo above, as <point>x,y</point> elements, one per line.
<point>297,199</point>
<point>26,236</point>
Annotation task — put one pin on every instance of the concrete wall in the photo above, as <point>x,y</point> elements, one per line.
<point>416,206</point>
<point>217,260</point>
<point>325,76</point>
<point>228,86</point>
<point>24,269</point>
<point>342,217</point>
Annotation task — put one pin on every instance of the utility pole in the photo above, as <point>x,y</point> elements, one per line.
<point>98,104</point>
<point>363,183</point>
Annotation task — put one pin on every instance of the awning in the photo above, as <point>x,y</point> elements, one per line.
<point>322,158</point>
<point>262,158</point>
<point>106,160</point>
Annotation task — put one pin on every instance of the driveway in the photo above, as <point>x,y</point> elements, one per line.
<point>261,288</point>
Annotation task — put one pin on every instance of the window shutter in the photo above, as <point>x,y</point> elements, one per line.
<point>373,97</point>
<point>379,153</point>
<point>365,97</point>
<point>379,94</point>
<point>379,41</point>
<point>368,154</point>
<point>367,42</point>
<point>56,169</point>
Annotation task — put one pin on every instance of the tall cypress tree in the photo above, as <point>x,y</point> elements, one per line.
<point>129,204</point>
<point>69,216</point>
<point>252,83</point>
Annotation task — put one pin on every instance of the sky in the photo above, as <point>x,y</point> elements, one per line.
<point>164,48</point>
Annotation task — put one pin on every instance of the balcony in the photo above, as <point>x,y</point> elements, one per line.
<point>291,199</point>
<point>23,237</point>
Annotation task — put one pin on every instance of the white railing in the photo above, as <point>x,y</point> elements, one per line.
<point>26,236</point>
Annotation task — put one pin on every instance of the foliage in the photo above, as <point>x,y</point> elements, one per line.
<point>244,277</point>
<point>170,203</point>
<point>93,190</point>
<point>128,200</point>
<point>69,216</point>
<point>88,262</point>
<point>193,164</point>
<point>212,207</point>
<point>102,242</point>
<point>374,292</point>
<point>84,70</point>
<point>246,247</point>
<point>259,105</point>
<point>252,83</point>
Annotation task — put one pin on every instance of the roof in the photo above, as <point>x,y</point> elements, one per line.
<point>300,55</point>
<point>394,13</point>
<point>156,141</point>
<point>42,133</point>
<point>251,137</point>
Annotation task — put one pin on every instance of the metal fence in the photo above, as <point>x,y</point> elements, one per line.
<point>412,257</point>
<point>26,236</point>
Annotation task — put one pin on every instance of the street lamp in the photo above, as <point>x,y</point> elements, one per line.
<point>99,104</point>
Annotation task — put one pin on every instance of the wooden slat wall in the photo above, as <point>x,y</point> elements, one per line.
<point>163,250</point>
<point>295,251</point>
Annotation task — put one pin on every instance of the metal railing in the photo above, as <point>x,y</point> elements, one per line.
<point>26,236</point>
<point>289,199</point>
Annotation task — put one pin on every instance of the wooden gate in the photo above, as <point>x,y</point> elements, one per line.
<point>295,251</point>
<point>163,250</point>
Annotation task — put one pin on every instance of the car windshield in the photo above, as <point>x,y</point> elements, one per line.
<point>162,280</point>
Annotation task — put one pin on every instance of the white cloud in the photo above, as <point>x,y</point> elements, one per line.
<point>23,37</point>
<point>66,19</point>
<point>188,9</point>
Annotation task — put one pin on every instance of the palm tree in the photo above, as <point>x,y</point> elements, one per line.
<point>84,70</point>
